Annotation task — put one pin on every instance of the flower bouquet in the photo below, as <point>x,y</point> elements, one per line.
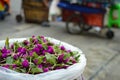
<point>40,58</point>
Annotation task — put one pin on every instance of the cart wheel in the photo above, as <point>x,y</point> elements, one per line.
<point>74,24</point>
<point>109,34</point>
<point>18,18</point>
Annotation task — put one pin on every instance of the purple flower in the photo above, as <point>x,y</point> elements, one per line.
<point>65,67</point>
<point>62,48</point>
<point>15,57</point>
<point>35,61</point>
<point>12,46</point>
<point>44,51</point>
<point>25,63</point>
<point>4,50</point>
<point>26,42</point>
<point>40,66</point>
<point>22,50</point>
<point>33,36</point>
<point>36,49</point>
<point>4,55</point>
<point>30,53</point>
<point>60,58</point>
<point>66,60</point>
<point>42,37</point>
<point>6,66</point>
<point>50,49</point>
<point>39,46</point>
<point>68,51</point>
<point>35,41</point>
<point>46,69</point>
<point>24,56</point>
<point>19,54</point>
<point>14,66</point>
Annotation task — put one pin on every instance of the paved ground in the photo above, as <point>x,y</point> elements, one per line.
<point>103,55</point>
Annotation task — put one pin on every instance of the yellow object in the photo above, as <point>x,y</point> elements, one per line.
<point>1,7</point>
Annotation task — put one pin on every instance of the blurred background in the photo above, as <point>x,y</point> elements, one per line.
<point>91,25</point>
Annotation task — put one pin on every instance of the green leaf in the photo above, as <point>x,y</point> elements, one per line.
<point>23,70</point>
<point>77,57</point>
<point>0,53</point>
<point>36,70</point>
<point>35,55</point>
<point>40,40</point>
<point>16,46</point>
<point>45,46</point>
<point>30,39</point>
<point>32,65</point>
<point>57,49</point>
<point>40,59</point>
<point>7,43</point>
<point>69,63</point>
<point>9,60</point>
<point>20,70</point>
<point>66,55</point>
<point>73,53</point>
<point>51,58</point>
<point>18,62</point>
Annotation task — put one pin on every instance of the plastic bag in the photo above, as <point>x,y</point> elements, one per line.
<point>71,73</point>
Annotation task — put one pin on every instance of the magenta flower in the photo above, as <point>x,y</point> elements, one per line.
<point>33,36</point>
<point>25,63</point>
<point>4,50</point>
<point>35,41</point>
<point>36,49</point>
<point>40,66</point>
<point>26,42</point>
<point>22,50</point>
<point>68,51</point>
<point>30,53</point>
<point>12,46</point>
<point>6,66</point>
<point>60,58</point>
<point>46,69</point>
<point>44,51</point>
<point>15,57</point>
<point>4,55</point>
<point>14,66</point>
<point>62,48</point>
<point>42,37</point>
<point>39,46</point>
<point>35,61</point>
<point>50,49</point>
<point>19,54</point>
<point>66,60</point>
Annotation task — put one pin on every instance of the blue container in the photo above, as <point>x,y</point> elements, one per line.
<point>80,8</point>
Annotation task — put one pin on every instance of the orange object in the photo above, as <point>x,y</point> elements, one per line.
<point>94,19</point>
